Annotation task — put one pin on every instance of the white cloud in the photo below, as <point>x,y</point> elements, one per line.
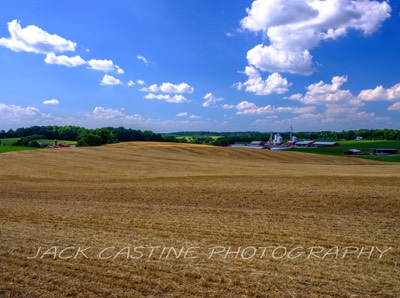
<point>102,65</point>
<point>256,110</point>
<point>185,114</point>
<point>380,93</point>
<point>51,58</point>
<point>246,105</point>
<point>51,102</point>
<point>255,84</point>
<point>33,39</point>
<point>143,59</point>
<point>322,93</point>
<point>131,83</point>
<point>140,82</point>
<point>249,108</point>
<point>110,80</point>
<point>107,116</point>
<point>294,27</point>
<point>394,107</point>
<point>169,88</point>
<point>119,70</point>
<point>226,106</point>
<point>193,117</point>
<point>168,98</point>
<point>211,100</point>
<point>341,105</point>
<point>268,58</point>
<point>106,113</point>
<point>17,116</point>
<point>18,111</point>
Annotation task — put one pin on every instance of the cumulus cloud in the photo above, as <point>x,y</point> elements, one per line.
<point>17,116</point>
<point>51,58</point>
<point>268,58</point>
<point>106,113</point>
<point>51,102</point>
<point>108,116</point>
<point>394,107</point>
<point>249,108</point>
<point>294,27</point>
<point>244,105</point>
<point>321,93</point>
<point>341,105</point>
<point>140,82</point>
<point>102,65</point>
<point>34,39</point>
<point>255,84</point>
<point>168,98</point>
<point>380,93</point>
<point>119,70</point>
<point>169,88</point>
<point>110,80</point>
<point>211,100</point>
<point>131,83</point>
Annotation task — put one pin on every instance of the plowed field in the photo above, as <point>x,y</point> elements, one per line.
<point>178,220</point>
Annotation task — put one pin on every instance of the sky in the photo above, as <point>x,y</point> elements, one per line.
<point>201,65</point>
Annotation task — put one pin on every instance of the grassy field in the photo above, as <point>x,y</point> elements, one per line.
<point>365,146</point>
<point>6,144</point>
<point>184,220</point>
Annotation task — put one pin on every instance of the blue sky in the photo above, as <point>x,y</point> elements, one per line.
<point>171,65</point>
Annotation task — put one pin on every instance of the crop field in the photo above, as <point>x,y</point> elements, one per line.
<point>183,220</point>
<point>366,146</point>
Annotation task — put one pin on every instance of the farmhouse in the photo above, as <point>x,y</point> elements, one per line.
<point>384,151</point>
<point>325,144</point>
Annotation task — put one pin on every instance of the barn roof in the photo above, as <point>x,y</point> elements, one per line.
<point>325,143</point>
<point>352,150</point>
<point>305,143</point>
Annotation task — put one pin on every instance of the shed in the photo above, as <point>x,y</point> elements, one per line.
<point>257,143</point>
<point>305,143</point>
<point>385,151</point>
<point>326,144</point>
<point>352,152</point>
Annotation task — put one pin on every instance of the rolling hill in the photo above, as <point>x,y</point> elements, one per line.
<point>217,206</point>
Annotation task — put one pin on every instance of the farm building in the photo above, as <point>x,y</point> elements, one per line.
<point>257,143</point>
<point>252,145</point>
<point>325,144</point>
<point>385,151</point>
<point>352,152</point>
<point>305,144</point>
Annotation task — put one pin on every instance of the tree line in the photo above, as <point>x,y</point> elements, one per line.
<point>109,135</point>
<point>83,136</point>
